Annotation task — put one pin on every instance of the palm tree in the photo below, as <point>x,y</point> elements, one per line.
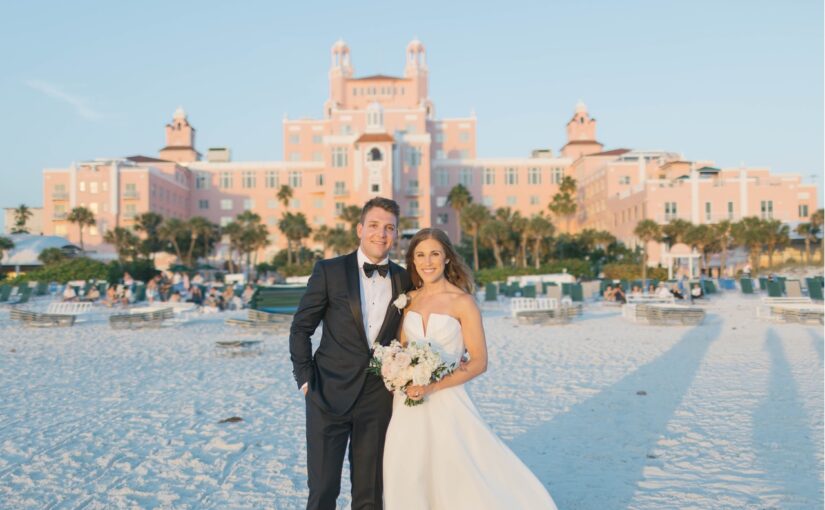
<point>564,202</point>
<point>233,232</point>
<point>295,228</point>
<point>495,233</point>
<point>148,223</point>
<point>647,231</point>
<point>351,215</point>
<point>252,237</point>
<point>473,218</point>
<point>676,230</point>
<point>6,244</point>
<point>816,223</point>
<point>82,217</point>
<point>750,233</point>
<point>520,226</point>
<point>284,195</point>
<point>458,198</point>
<point>540,229</point>
<point>809,233</point>
<point>700,237</point>
<point>21,216</point>
<point>724,235</point>
<point>169,232</point>
<point>125,242</point>
<point>777,237</point>
<point>204,229</point>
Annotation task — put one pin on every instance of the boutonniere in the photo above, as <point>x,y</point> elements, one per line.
<point>401,302</point>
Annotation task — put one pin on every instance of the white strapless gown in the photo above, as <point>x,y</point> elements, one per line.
<point>442,455</point>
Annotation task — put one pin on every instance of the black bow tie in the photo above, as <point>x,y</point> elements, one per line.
<point>371,268</point>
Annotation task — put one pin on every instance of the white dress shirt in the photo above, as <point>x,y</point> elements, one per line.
<point>376,293</point>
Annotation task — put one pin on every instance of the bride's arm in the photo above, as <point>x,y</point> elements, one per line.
<point>476,344</point>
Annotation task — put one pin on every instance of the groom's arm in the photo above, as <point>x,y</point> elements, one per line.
<point>310,312</point>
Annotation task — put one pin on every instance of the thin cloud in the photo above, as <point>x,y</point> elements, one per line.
<point>79,104</point>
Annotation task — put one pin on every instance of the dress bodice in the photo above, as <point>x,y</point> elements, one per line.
<point>442,331</point>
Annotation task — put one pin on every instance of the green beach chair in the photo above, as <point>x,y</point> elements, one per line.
<point>763,283</point>
<point>565,289</point>
<point>746,284</point>
<point>529,291</point>
<point>774,289</point>
<point>814,288</point>
<point>490,292</point>
<point>577,293</point>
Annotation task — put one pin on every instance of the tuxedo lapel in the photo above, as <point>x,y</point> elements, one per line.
<point>354,294</point>
<point>389,315</point>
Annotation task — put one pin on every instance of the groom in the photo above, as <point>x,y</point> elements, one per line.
<point>353,296</point>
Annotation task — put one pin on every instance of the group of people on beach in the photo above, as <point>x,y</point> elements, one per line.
<point>683,289</point>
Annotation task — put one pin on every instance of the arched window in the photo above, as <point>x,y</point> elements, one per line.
<point>374,154</point>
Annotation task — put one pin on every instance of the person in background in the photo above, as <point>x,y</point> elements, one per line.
<point>619,295</point>
<point>111,296</point>
<point>175,297</point>
<point>152,291</point>
<point>69,294</point>
<point>93,295</point>
<point>198,279</point>
<point>196,296</point>
<point>248,292</point>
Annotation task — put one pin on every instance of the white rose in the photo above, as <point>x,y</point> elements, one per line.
<point>421,375</point>
<point>401,302</point>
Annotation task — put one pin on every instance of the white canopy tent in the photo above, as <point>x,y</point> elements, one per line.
<point>680,251</point>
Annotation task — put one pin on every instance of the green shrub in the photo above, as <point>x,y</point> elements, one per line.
<point>619,271</point>
<point>72,269</point>
<point>141,270</point>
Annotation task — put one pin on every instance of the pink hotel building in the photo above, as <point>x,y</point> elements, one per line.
<point>379,135</point>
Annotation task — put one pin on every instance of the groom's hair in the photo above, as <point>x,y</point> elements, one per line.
<point>388,204</point>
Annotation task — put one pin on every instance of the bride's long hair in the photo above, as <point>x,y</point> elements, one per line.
<point>455,271</point>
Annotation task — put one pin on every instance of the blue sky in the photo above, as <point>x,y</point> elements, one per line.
<point>734,81</point>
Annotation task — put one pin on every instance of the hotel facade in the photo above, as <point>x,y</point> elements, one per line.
<point>379,135</point>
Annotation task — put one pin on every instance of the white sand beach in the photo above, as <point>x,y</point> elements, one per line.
<point>608,414</point>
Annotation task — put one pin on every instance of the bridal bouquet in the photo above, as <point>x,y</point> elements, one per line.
<point>401,366</point>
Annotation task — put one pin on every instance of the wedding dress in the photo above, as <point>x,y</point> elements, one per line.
<point>441,455</point>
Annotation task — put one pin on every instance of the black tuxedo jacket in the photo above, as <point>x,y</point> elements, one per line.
<point>337,371</point>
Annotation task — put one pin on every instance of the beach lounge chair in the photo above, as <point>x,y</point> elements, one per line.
<point>793,288</point>
<point>814,289</point>
<point>490,292</point>
<point>5,292</point>
<point>140,318</point>
<point>23,295</point>
<point>662,314</point>
<point>41,320</point>
<point>41,288</point>
<point>774,289</point>
<point>278,298</point>
<point>763,283</point>
<point>746,284</point>
<point>576,293</point>
<point>528,291</point>
<point>554,292</point>
<point>263,320</point>
<point>565,289</point>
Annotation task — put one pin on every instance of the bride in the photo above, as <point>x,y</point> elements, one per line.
<point>442,455</point>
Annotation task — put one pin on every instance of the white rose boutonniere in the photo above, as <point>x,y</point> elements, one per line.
<point>401,302</point>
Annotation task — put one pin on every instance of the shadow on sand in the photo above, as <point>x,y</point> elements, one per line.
<point>593,456</point>
<point>782,438</point>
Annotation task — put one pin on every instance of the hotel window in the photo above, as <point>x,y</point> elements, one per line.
<point>130,210</point>
<point>375,188</point>
<point>413,208</point>
<point>60,229</point>
<point>272,203</point>
<point>249,179</point>
<point>249,204</point>
<point>202,180</point>
<point>464,136</point>
<point>442,219</point>
<point>226,204</point>
<point>625,179</point>
<point>511,200</point>
<point>464,154</point>
<point>81,186</point>
<point>294,179</point>
<point>412,186</point>
<point>294,139</point>
<point>93,187</point>
<point>440,201</point>
<point>226,180</point>
<point>346,129</point>
<point>318,220</point>
<point>670,211</point>
<point>226,220</point>
<point>767,209</point>
<point>272,221</point>
<point>803,210</point>
<point>487,201</point>
<point>730,210</point>
<point>442,178</point>
<point>203,204</point>
<point>534,176</point>
<point>558,175</point>
<point>93,230</point>
<point>511,176</point>
<point>415,156</point>
<point>340,187</point>
<point>295,203</point>
<point>93,207</point>
<point>271,179</point>
<point>439,138</point>
<point>465,177</point>
<point>410,128</point>
<point>708,215</point>
<point>534,200</point>
<point>317,156</point>
<point>318,203</point>
<point>319,180</point>
<point>439,154</point>
<point>60,188</point>
<point>339,208</point>
<point>295,156</point>
<point>489,176</point>
<point>317,139</point>
<point>339,157</point>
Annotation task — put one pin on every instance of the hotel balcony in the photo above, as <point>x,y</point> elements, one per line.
<point>412,192</point>
<point>339,192</point>
<point>131,194</point>
<point>59,215</point>
<point>129,215</point>
<point>60,195</point>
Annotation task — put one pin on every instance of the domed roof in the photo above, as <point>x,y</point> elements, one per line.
<point>179,113</point>
<point>415,44</point>
<point>581,107</point>
<point>340,44</point>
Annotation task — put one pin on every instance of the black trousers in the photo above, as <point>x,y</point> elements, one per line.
<point>363,428</point>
